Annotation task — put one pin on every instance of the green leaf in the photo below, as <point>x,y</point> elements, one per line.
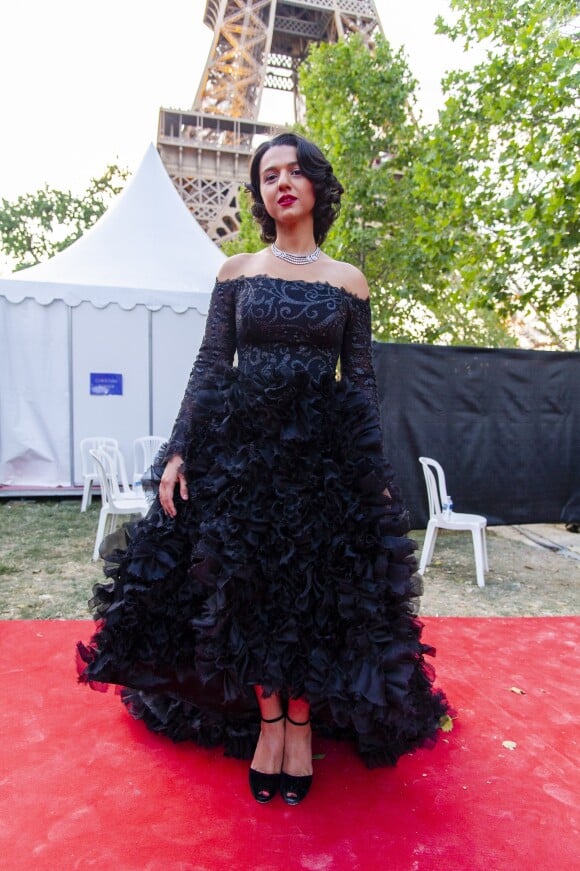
<point>446,723</point>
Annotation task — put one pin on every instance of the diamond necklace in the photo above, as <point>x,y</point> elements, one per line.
<point>296,259</point>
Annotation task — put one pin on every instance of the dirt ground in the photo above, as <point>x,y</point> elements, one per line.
<point>534,571</point>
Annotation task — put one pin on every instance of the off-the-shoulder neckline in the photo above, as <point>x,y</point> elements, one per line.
<point>296,281</point>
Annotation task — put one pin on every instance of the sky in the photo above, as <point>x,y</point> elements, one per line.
<point>82,81</point>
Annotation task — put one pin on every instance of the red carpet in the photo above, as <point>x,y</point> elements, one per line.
<point>83,786</point>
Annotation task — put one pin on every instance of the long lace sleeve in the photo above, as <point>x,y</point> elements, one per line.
<point>356,361</point>
<point>219,344</point>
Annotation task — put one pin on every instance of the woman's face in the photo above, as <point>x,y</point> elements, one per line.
<point>287,193</point>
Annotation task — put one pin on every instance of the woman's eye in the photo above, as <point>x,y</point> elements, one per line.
<point>296,172</point>
<point>270,177</point>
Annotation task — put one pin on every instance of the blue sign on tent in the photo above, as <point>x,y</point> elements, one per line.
<point>106,384</point>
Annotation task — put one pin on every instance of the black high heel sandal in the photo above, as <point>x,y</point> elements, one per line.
<point>265,786</point>
<point>294,788</point>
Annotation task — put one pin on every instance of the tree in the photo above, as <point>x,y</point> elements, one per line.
<point>359,109</point>
<point>511,122</point>
<point>36,226</point>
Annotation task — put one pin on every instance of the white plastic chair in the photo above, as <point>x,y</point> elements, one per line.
<point>474,523</point>
<point>88,466</point>
<point>118,462</point>
<point>144,450</point>
<point>113,502</point>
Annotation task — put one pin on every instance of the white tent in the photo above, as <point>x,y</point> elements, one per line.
<point>100,339</point>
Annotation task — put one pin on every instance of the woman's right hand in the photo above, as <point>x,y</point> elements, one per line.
<point>172,475</point>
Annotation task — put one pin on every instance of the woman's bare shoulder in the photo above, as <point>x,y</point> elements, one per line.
<point>238,265</point>
<point>348,276</point>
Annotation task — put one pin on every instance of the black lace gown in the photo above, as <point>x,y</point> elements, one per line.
<point>288,566</point>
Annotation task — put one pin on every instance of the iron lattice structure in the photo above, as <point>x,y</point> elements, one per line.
<point>257,44</point>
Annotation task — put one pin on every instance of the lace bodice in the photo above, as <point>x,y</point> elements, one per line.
<point>279,326</point>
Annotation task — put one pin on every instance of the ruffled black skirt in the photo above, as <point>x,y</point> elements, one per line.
<point>288,567</point>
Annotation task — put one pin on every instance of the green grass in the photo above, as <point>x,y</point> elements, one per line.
<point>46,571</point>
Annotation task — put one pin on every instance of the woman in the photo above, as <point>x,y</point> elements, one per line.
<point>270,586</point>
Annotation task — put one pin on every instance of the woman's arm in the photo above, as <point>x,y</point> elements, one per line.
<point>356,357</point>
<point>219,344</point>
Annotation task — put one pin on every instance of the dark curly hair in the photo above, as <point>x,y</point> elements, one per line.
<point>327,188</point>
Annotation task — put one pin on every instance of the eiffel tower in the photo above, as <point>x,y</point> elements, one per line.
<point>257,44</point>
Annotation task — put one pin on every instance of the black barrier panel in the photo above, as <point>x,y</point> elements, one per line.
<point>503,423</point>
